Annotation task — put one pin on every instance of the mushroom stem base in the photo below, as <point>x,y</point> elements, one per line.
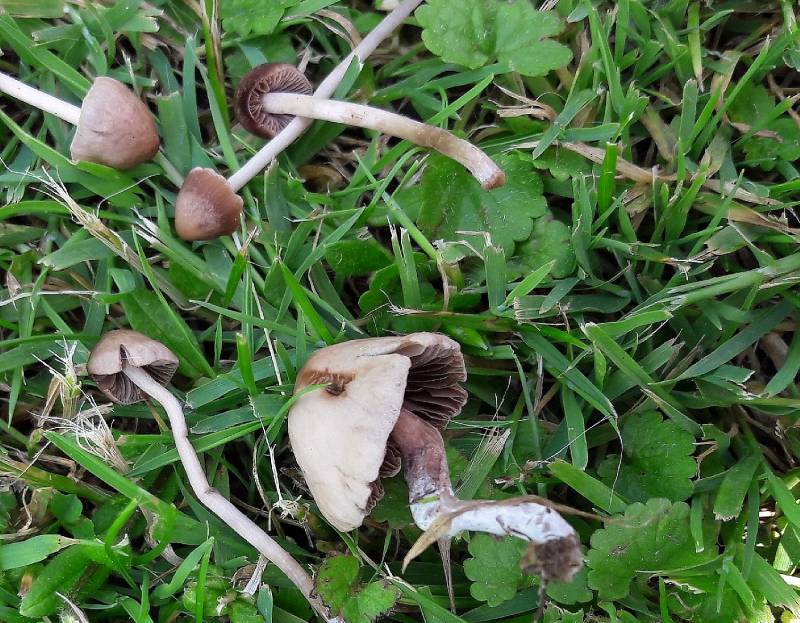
<point>212,499</point>
<point>434,506</point>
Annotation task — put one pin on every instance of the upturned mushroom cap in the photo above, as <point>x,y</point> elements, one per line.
<point>123,347</point>
<point>115,127</point>
<point>267,78</point>
<point>339,433</point>
<point>206,207</point>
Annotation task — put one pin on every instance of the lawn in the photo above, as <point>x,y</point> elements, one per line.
<point>626,304</point>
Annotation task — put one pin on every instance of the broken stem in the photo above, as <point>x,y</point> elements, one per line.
<point>21,91</point>
<point>326,88</point>
<point>209,496</point>
<point>437,510</point>
<point>310,106</point>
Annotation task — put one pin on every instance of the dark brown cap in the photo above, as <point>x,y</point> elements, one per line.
<point>206,207</point>
<point>267,78</point>
<point>123,347</point>
<point>115,127</point>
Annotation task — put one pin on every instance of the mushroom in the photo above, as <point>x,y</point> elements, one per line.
<point>128,367</point>
<point>207,207</point>
<point>268,97</point>
<point>114,127</point>
<point>195,197</point>
<point>383,405</point>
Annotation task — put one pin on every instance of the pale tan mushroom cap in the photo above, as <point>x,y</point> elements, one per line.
<point>339,433</point>
<point>115,128</point>
<point>123,347</point>
<point>206,207</point>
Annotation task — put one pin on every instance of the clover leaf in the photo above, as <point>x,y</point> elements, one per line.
<point>475,33</point>
<point>494,568</point>
<point>656,461</point>
<point>256,16</point>
<point>351,258</point>
<point>570,593</point>
<point>496,574</point>
<point>550,240</point>
<point>563,164</point>
<point>337,584</point>
<point>652,538</point>
<point>454,207</point>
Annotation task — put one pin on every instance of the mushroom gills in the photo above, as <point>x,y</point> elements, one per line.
<point>432,395</point>
<point>390,467</point>
<point>123,347</point>
<point>432,388</point>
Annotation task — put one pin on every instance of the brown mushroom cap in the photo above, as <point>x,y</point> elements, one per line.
<point>115,127</point>
<point>206,207</point>
<point>123,347</point>
<point>339,433</point>
<point>267,78</point>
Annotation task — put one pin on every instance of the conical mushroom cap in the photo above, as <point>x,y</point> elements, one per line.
<point>339,433</point>
<point>123,347</point>
<point>206,207</point>
<point>115,127</point>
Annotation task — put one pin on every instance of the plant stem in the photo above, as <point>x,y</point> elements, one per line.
<point>211,498</point>
<point>39,99</point>
<point>476,161</point>
<point>325,90</point>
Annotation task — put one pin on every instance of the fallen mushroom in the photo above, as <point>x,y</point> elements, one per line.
<point>114,127</point>
<point>268,97</point>
<point>128,367</point>
<point>204,203</point>
<point>384,404</point>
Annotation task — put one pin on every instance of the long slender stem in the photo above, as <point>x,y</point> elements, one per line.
<point>326,88</point>
<point>476,161</point>
<point>39,99</point>
<point>209,496</point>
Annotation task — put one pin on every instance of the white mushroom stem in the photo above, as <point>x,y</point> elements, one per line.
<point>209,496</point>
<point>433,503</point>
<point>476,161</point>
<point>526,520</point>
<point>326,88</point>
<point>39,99</point>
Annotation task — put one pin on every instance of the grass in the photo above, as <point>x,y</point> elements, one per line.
<point>627,305</point>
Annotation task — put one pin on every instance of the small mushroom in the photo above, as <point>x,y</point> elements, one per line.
<point>206,207</point>
<point>193,187</point>
<point>127,367</point>
<point>114,127</point>
<point>122,349</point>
<point>384,404</point>
<point>268,97</point>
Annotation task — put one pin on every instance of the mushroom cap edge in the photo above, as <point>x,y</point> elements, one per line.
<point>121,346</point>
<point>263,79</point>
<point>339,437</point>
